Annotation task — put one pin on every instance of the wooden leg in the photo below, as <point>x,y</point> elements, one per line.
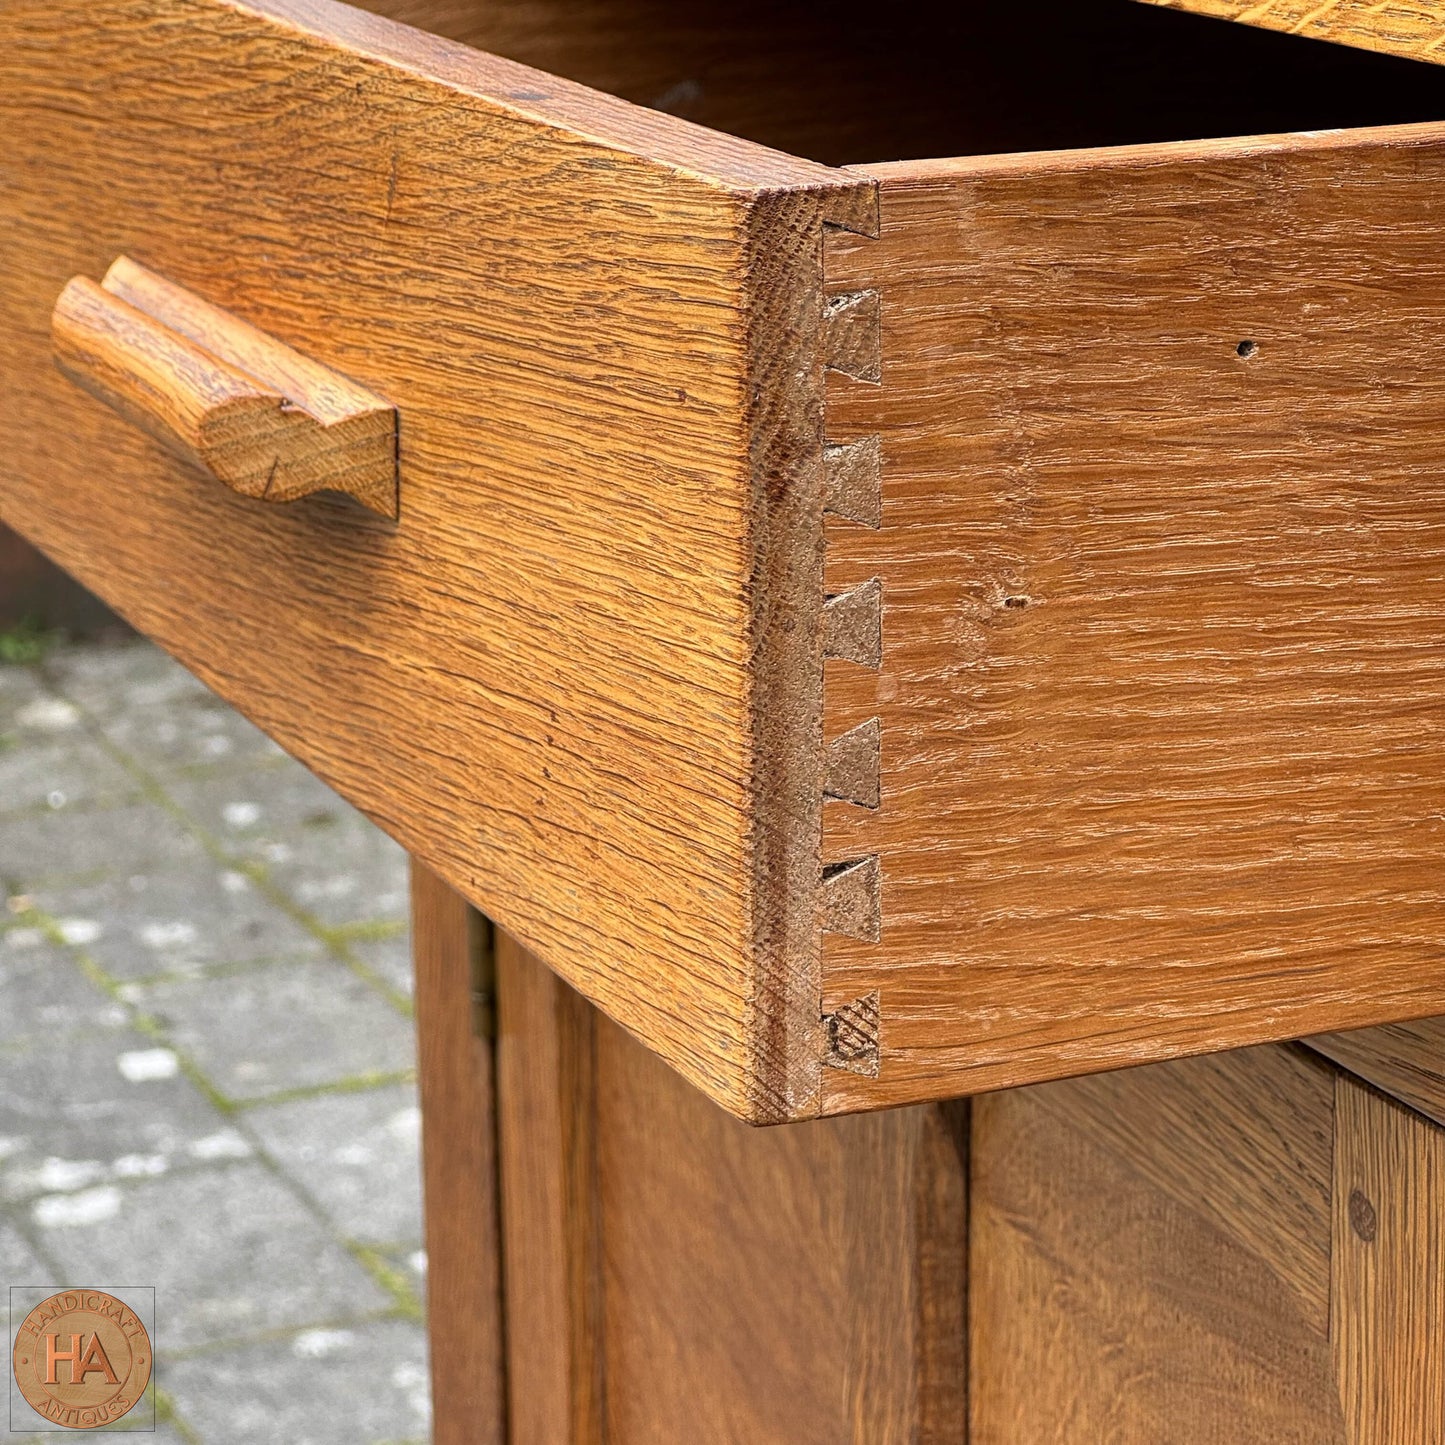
<point>546,1070</point>
<point>451,947</point>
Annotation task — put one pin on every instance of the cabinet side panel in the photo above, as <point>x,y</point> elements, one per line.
<point>802,1283</point>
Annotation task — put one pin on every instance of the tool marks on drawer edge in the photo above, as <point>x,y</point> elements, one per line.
<point>853,637</point>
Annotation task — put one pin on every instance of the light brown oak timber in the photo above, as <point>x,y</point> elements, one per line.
<point>580,679</point>
<point>1136,1271</point>
<point>851,80</point>
<point>551,1251</point>
<point>261,418</point>
<point>1413,28</point>
<point>1406,1060</point>
<point>1268,1110</point>
<point>672,1274</point>
<point>804,1284</point>
<point>450,946</point>
<point>1388,1286</point>
<point>1161,617</point>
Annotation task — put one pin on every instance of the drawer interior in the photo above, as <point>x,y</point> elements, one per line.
<point>850,81</point>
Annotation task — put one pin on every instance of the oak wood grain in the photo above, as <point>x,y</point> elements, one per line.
<point>1109,1305</point>
<point>1413,28</point>
<point>674,1275</point>
<point>265,420</point>
<point>551,1216</point>
<point>804,1284</point>
<point>1268,1111</point>
<point>580,679</point>
<point>1406,1060</point>
<point>1161,546</point>
<point>1388,1288</point>
<point>459,1158</point>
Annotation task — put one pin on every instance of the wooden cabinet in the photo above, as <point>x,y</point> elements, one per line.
<point>881,633</point>
<point>1244,1247</point>
<point>868,634</point>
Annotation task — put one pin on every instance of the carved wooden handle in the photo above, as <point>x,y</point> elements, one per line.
<point>261,418</point>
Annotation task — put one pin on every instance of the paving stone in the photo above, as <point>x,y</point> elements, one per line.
<point>322,1387</point>
<point>230,1251</point>
<point>58,775</point>
<point>177,918</point>
<point>389,959</point>
<point>153,709</point>
<point>163,1435</point>
<point>286,1026</point>
<point>316,847</point>
<point>38,849</point>
<point>19,687</point>
<point>43,994</point>
<point>356,1154</point>
<point>19,1264</point>
<point>411,1261</point>
<point>86,1118</point>
<point>107,1151</point>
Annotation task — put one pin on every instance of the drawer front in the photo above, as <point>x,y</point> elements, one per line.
<point>558,676</point>
<point>1156,555</point>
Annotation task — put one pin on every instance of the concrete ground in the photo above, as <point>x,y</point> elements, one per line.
<point>207,1066</point>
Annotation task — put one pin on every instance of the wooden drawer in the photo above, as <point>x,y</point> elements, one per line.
<point>880,633</point>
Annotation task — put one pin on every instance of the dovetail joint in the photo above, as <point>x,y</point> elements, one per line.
<point>852,1033</point>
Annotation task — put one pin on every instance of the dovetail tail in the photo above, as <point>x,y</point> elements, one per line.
<point>852,899</point>
<point>853,625</point>
<point>853,1036</point>
<point>854,765</point>
<point>855,481</point>
<point>853,210</point>
<point>853,335</point>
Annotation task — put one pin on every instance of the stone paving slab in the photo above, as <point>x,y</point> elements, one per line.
<point>336,865</point>
<point>299,1025</point>
<point>43,993</point>
<point>319,1387</point>
<point>191,928</point>
<point>143,924</point>
<point>231,1252</point>
<point>78,844</point>
<point>154,711</point>
<point>96,1109</point>
<point>356,1154</point>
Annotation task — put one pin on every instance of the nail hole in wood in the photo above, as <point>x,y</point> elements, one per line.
<point>1246,349</point>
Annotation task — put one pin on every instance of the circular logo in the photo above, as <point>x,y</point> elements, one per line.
<point>82,1358</point>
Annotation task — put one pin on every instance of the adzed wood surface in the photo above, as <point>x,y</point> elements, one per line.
<point>1162,629</point>
<point>1388,1289</point>
<point>1413,28</point>
<point>579,678</point>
